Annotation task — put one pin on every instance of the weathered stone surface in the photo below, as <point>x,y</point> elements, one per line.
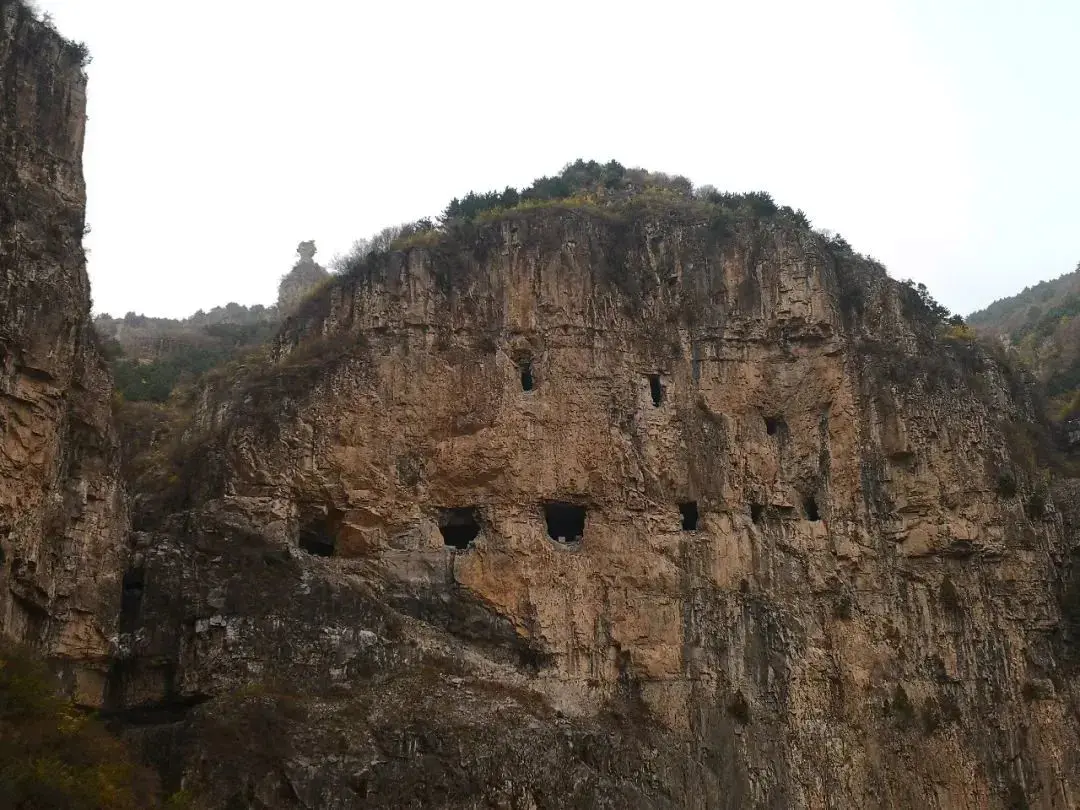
<point>62,517</point>
<point>305,276</point>
<point>819,565</point>
<point>863,616</point>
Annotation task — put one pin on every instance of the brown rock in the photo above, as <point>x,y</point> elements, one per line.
<point>795,649</point>
<point>62,515</point>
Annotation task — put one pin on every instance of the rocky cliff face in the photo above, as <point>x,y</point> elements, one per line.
<point>658,508</point>
<point>299,282</point>
<point>62,517</point>
<point>662,504</point>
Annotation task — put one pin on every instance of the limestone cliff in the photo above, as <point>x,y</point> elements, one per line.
<point>672,505</point>
<point>62,517</point>
<point>632,500</point>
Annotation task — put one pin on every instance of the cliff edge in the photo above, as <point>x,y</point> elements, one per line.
<point>63,523</point>
<point>661,503</point>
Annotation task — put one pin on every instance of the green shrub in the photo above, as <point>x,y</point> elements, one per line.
<point>1037,500</point>
<point>54,756</point>
<point>606,184</point>
<point>1005,483</point>
<point>919,303</point>
<point>960,332</point>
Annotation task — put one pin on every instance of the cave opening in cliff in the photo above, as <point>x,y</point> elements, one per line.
<point>317,536</point>
<point>525,367</point>
<point>565,521</point>
<point>811,508</point>
<point>656,388</point>
<point>132,591</point>
<point>757,512</point>
<point>773,425</point>
<point>689,514</point>
<point>459,526</point>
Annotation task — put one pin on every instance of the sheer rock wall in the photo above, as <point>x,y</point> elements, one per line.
<point>63,524</point>
<point>865,614</point>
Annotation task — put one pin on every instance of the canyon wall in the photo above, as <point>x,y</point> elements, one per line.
<point>706,502</point>
<point>62,514</point>
<point>652,503</point>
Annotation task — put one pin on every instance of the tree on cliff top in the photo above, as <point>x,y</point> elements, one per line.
<point>609,180</point>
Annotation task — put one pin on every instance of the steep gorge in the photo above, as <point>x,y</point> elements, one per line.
<point>654,504</point>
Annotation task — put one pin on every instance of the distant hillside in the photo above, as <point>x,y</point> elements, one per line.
<point>151,356</point>
<point>1041,322</point>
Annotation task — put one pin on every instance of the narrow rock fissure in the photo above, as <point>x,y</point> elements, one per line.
<point>656,389</point>
<point>132,591</point>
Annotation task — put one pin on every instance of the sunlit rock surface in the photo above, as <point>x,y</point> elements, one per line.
<point>865,612</point>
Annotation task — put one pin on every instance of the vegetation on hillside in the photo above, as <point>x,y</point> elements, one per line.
<point>605,188</point>
<point>1042,324</point>
<point>611,190</point>
<point>52,755</point>
<point>1006,315</point>
<point>584,183</point>
<point>79,50</point>
<point>150,357</point>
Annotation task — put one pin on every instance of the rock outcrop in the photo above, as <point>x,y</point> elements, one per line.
<point>63,527</point>
<point>667,506</point>
<point>299,282</point>
<point>631,501</point>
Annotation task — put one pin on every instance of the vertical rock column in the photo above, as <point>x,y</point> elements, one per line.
<point>62,515</point>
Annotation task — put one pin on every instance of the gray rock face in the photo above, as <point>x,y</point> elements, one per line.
<point>299,282</point>
<point>63,522</point>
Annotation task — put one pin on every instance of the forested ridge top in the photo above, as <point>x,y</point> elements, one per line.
<point>611,193</point>
<point>28,10</point>
<point>1041,323</point>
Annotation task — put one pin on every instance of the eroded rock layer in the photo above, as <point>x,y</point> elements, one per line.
<point>63,526</point>
<point>654,507</point>
<point>653,504</point>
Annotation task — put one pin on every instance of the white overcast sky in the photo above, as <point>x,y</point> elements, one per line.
<point>939,136</point>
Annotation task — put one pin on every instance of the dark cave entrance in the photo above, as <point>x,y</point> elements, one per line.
<point>773,425</point>
<point>565,521</point>
<point>459,526</point>
<point>132,591</point>
<point>318,534</point>
<point>757,512</point>
<point>526,369</point>
<point>656,389</point>
<point>689,512</point>
<point>811,507</point>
